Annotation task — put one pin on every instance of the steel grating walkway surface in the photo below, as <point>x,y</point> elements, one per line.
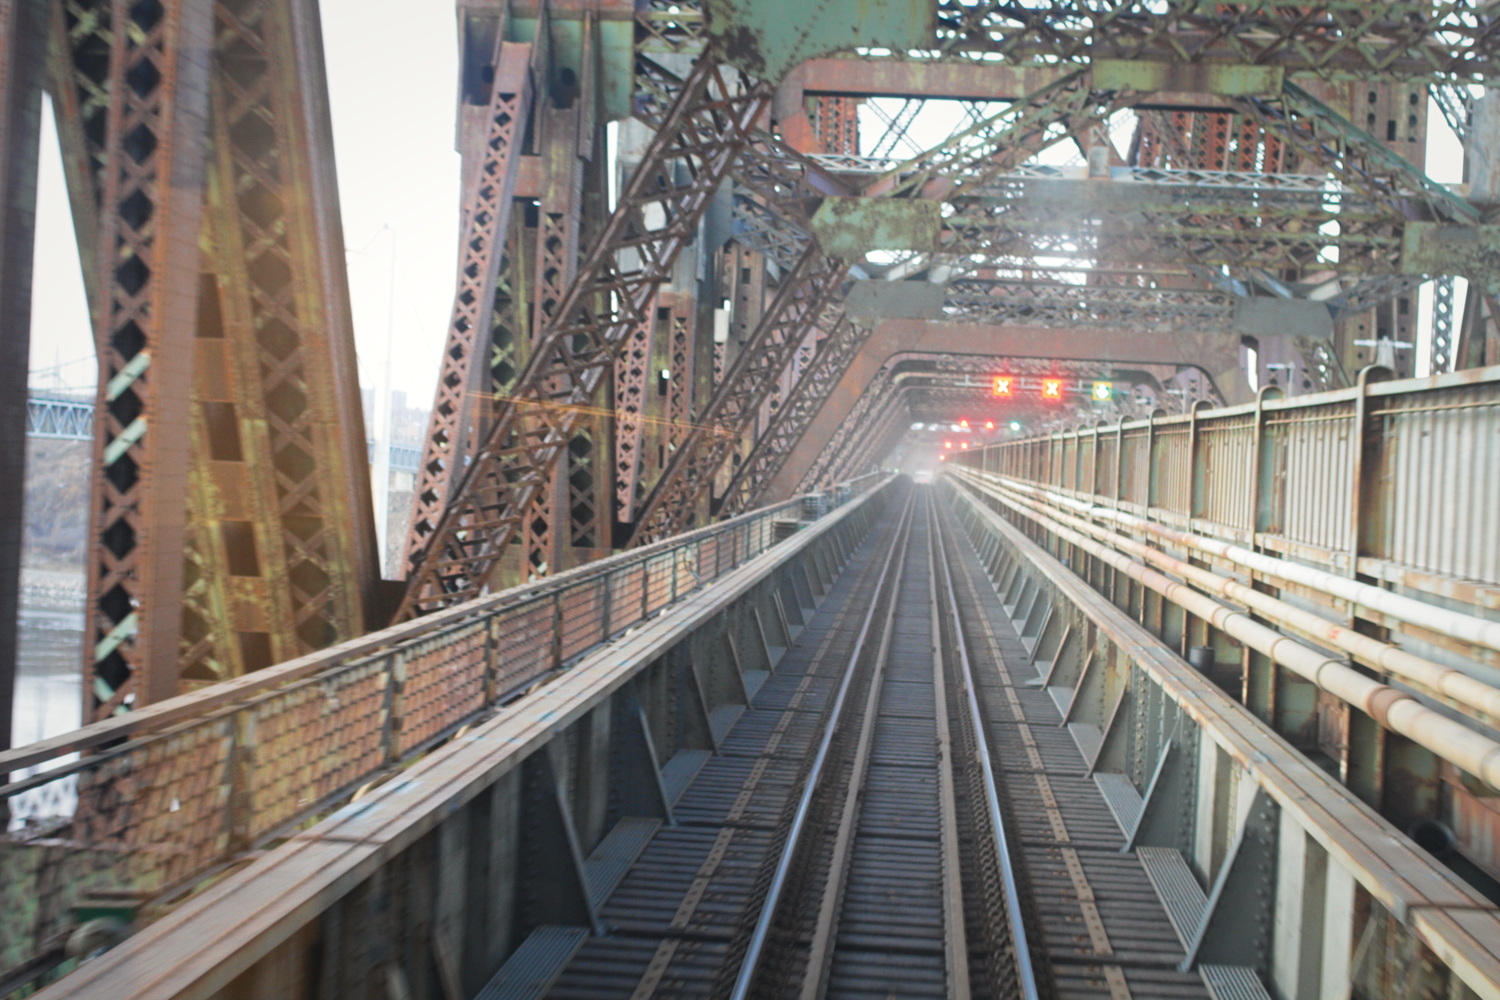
<point>891,889</point>
<point>674,916</point>
<point>1070,839</point>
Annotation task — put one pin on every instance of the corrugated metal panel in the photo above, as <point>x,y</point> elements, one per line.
<point>1227,448</point>
<point>1086,463</point>
<point>1439,490</point>
<point>1107,465</point>
<point>1137,479</point>
<point>1174,481</point>
<point>1318,474</point>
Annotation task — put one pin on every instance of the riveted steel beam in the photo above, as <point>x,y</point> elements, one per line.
<point>300,574</point>
<point>151,193</point>
<point>699,134</point>
<point>787,427</point>
<point>489,187</point>
<point>800,304</point>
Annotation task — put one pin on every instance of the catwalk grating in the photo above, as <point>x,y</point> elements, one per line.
<point>891,884</point>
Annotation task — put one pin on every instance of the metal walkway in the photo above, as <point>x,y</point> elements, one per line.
<point>869,744</point>
<point>897,883</point>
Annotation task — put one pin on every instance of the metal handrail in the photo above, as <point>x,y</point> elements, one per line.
<point>193,782</point>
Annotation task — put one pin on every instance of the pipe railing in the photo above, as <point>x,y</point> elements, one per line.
<point>1381,494</point>
<point>1446,681</point>
<point>1392,708</point>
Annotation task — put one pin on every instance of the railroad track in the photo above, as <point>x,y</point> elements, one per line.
<point>896,815</point>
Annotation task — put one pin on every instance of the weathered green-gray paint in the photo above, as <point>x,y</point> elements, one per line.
<point>614,50</point>
<point>877,299</point>
<point>1472,251</point>
<point>1229,79</point>
<point>767,38</point>
<point>1264,316</point>
<point>849,228</point>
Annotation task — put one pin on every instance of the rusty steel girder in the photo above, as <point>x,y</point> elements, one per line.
<point>281,552</point>
<point>701,132</point>
<point>800,304</point>
<point>751,477</point>
<point>633,375</point>
<point>1334,39</point>
<point>148,60</point>
<point>23,33</point>
<point>969,159</point>
<point>230,504</point>
<point>487,200</point>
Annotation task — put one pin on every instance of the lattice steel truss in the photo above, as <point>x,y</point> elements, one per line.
<point>697,138</point>
<point>593,390</point>
<point>230,488</point>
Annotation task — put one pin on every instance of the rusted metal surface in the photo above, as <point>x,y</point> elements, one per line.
<point>203,778</point>
<point>281,539</point>
<point>776,444</point>
<point>703,128</point>
<point>318,879</point>
<point>488,198</point>
<point>800,304</point>
<point>150,189</point>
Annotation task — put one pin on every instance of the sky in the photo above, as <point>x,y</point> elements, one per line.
<point>392,68</point>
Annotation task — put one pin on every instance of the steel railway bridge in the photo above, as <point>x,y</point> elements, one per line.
<point>938,498</point>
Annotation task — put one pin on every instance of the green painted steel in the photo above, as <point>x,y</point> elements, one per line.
<point>852,227</point>
<point>1229,79</point>
<point>767,38</point>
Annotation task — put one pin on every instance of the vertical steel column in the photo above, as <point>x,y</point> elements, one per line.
<point>282,551</point>
<point>22,47</point>
<point>804,295</point>
<point>1442,325</point>
<point>695,142</point>
<point>152,198</point>
<point>488,195</point>
<point>635,383</point>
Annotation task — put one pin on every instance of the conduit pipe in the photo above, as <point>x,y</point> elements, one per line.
<point>1447,681</point>
<point>1454,624</point>
<point>1393,709</point>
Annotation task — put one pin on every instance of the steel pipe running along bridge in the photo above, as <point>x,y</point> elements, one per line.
<point>1087,718</point>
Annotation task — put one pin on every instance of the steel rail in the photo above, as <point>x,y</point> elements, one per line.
<point>955,933</point>
<point>820,954</point>
<point>1025,973</point>
<point>762,931</point>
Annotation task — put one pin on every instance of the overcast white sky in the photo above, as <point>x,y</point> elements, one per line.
<point>392,68</point>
